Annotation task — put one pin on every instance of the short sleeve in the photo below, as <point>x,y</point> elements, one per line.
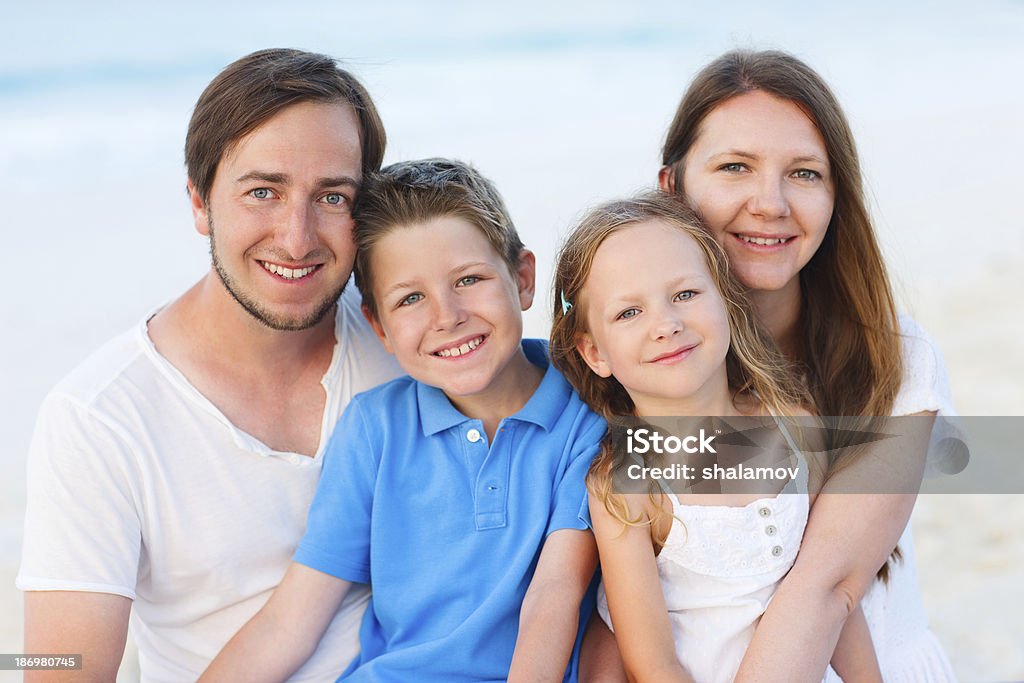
<point>570,510</point>
<point>82,525</point>
<point>925,385</point>
<point>337,538</point>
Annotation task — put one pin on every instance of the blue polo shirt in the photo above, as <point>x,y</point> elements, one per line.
<point>446,526</point>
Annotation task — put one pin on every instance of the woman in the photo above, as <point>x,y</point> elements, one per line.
<point>760,146</point>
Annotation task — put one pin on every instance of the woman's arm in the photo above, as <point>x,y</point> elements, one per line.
<point>549,619</point>
<point>848,538</point>
<point>635,598</point>
<point>854,659</point>
<point>284,634</point>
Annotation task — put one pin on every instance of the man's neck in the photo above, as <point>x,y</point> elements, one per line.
<point>207,324</point>
<point>267,382</point>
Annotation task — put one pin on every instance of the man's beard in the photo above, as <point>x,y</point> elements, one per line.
<point>257,310</point>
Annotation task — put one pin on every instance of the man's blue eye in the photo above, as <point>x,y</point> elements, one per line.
<point>334,199</point>
<point>261,193</point>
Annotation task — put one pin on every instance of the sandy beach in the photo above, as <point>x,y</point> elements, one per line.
<point>563,107</point>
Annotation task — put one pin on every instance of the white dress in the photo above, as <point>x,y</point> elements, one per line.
<point>719,568</point>
<point>907,650</point>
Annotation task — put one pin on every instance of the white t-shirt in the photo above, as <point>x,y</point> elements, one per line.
<point>139,486</point>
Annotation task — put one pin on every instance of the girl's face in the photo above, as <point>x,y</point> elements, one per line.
<point>656,321</point>
<point>759,174</point>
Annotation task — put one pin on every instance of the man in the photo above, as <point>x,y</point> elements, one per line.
<point>170,475</point>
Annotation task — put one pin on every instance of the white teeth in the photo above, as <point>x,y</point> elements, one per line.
<point>765,241</point>
<point>288,273</point>
<point>460,350</point>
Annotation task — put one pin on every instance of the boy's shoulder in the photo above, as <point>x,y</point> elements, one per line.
<point>388,393</point>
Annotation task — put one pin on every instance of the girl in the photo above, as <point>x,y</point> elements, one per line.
<point>650,323</point>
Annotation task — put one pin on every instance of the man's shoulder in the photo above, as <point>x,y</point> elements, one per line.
<point>105,366</point>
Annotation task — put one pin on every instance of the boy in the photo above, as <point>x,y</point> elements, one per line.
<point>457,492</point>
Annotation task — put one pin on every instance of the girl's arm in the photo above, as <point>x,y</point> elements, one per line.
<point>854,659</point>
<point>549,619</point>
<point>284,634</point>
<point>848,538</point>
<point>635,598</point>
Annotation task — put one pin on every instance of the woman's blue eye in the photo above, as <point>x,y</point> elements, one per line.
<point>411,299</point>
<point>806,174</point>
<point>685,295</point>
<point>628,313</point>
<point>468,280</point>
<point>260,193</point>
<point>732,168</point>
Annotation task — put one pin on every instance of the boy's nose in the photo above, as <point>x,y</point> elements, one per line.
<point>448,311</point>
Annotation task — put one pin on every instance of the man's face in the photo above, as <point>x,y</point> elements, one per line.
<point>282,197</point>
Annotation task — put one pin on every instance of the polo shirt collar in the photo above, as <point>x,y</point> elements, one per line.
<point>543,409</point>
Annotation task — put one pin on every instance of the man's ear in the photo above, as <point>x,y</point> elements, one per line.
<point>200,212</point>
<point>667,179</point>
<point>591,355</point>
<point>378,329</point>
<point>526,278</point>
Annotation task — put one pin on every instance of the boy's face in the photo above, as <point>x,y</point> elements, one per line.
<point>448,307</point>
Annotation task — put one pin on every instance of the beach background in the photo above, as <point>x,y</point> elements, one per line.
<point>563,105</point>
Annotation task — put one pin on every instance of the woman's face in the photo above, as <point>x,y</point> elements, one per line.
<point>759,174</point>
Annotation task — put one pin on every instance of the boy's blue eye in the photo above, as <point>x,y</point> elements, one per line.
<point>468,280</point>
<point>684,295</point>
<point>411,299</point>
<point>628,313</point>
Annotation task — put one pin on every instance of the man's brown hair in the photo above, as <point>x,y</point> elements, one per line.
<point>254,88</point>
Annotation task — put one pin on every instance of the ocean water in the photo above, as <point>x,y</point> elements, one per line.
<point>562,104</point>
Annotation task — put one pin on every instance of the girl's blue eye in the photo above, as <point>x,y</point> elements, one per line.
<point>468,280</point>
<point>685,295</point>
<point>260,193</point>
<point>411,299</point>
<point>628,313</point>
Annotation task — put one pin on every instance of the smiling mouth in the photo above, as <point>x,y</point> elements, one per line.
<point>765,241</point>
<point>674,356</point>
<point>461,349</point>
<point>290,273</point>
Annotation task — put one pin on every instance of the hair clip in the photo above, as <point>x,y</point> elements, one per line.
<point>565,304</point>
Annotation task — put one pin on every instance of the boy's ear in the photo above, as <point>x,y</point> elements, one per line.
<point>378,329</point>
<point>200,214</point>
<point>591,355</point>
<point>667,179</point>
<point>526,278</point>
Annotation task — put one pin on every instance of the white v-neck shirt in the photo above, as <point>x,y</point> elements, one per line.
<point>139,486</point>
